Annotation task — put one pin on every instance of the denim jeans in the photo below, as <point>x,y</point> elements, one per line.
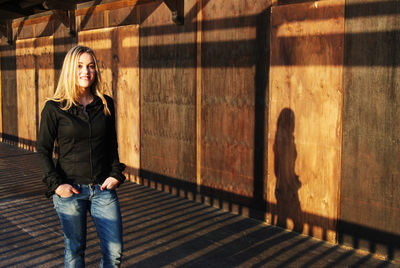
<point>103,206</point>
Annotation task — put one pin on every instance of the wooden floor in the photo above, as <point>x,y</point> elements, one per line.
<point>160,230</point>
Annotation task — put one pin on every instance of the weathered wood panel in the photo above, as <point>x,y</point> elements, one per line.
<point>233,99</point>
<point>63,42</point>
<point>117,50</point>
<point>44,73</point>
<point>370,200</point>
<point>24,31</point>
<point>45,28</point>
<point>168,95</point>
<point>123,16</point>
<point>108,14</point>
<point>9,90</point>
<point>306,91</point>
<point>91,20</point>
<point>26,89</point>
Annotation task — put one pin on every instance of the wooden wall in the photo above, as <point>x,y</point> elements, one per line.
<point>9,92</point>
<point>234,75</point>
<point>35,82</point>
<point>282,110</point>
<point>370,200</point>
<point>305,132</point>
<point>168,95</point>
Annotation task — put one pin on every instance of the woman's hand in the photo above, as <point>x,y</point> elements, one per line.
<point>66,190</point>
<point>110,183</point>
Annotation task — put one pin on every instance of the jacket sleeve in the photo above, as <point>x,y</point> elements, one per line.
<point>116,167</point>
<point>45,145</point>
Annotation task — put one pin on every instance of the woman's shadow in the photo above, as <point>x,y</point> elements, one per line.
<point>287,181</point>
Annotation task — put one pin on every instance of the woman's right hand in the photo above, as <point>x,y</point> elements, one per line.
<point>66,190</point>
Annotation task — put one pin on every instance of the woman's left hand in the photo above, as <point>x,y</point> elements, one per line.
<point>110,183</point>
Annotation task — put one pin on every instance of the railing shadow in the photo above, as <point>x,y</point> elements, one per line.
<point>257,205</point>
<point>159,229</point>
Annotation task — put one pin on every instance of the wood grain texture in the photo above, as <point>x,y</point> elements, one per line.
<point>26,89</point>
<point>44,72</point>
<point>234,75</point>
<point>371,132</point>
<point>117,52</point>
<point>168,94</point>
<point>9,89</point>
<point>305,119</point>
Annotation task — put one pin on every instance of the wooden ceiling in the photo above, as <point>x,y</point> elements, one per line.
<point>13,9</point>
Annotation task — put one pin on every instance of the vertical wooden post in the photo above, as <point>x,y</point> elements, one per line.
<point>198,93</point>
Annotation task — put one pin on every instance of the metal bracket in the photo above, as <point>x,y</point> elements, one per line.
<point>177,10</point>
<point>6,30</point>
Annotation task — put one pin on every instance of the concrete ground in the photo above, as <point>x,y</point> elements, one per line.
<point>160,230</point>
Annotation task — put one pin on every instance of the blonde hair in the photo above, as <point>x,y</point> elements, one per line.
<point>67,93</point>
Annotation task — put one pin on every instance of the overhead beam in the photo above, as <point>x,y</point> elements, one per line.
<point>177,10</point>
<point>67,18</point>
<point>56,4</point>
<point>16,9</point>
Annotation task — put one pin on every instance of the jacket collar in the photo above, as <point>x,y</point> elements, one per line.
<point>94,106</point>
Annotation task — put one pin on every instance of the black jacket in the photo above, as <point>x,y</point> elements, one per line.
<point>87,146</point>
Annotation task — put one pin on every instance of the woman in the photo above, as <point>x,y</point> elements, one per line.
<point>82,121</point>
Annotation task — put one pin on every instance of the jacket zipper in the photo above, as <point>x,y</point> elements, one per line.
<point>90,145</point>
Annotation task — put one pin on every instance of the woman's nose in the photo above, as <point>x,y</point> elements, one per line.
<point>85,70</point>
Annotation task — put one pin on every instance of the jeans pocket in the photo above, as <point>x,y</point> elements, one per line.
<point>56,198</point>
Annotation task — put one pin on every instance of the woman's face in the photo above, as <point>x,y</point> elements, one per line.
<point>86,70</point>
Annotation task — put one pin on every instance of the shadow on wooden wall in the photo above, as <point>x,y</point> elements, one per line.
<point>237,67</point>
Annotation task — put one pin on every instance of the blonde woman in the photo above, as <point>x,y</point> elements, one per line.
<point>87,170</point>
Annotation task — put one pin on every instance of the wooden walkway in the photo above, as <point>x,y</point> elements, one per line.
<point>160,230</point>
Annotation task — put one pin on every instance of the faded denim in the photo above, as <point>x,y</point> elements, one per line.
<point>104,208</point>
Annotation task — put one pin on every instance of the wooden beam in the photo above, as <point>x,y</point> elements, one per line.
<point>67,18</point>
<point>16,9</point>
<point>177,10</point>
<point>56,4</point>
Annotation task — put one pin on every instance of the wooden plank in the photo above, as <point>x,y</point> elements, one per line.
<point>9,89</point>
<point>109,14</point>
<point>44,28</point>
<point>305,117</point>
<point>24,31</point>
<point>168,96</point>
<point>117,50</point>
<point>44,73</point>
<point>24,22</point>
<point>232,116</point>
<point>123,16</point>
<point>63,42</point>
<point>110,6</point>
<point>26,90</point>
<point>90,21</point>
<point>371,151</point>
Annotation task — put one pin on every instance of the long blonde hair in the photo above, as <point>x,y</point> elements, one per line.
<point>67,90</point>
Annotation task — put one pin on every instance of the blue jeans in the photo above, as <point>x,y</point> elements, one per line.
<point>104,209</point>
